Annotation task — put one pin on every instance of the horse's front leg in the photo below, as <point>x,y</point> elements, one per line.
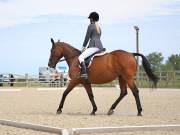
<point>91,97</point>
<point>70,87</point>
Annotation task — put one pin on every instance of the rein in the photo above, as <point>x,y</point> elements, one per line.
<point>67,58</point>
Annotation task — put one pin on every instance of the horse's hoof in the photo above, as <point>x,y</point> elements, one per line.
<point>58,112</point>
<point>110,112</point>
<point>93,113</point>
<point>139,114</point>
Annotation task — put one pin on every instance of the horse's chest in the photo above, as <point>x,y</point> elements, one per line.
<point>74,71</point>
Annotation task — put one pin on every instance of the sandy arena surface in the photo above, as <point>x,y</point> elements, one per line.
<point>39,107</point>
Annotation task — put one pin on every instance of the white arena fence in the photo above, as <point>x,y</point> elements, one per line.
<point>78,131</point>
<point>35,127</point>
<point>166,79</point>
<point>33,81</point>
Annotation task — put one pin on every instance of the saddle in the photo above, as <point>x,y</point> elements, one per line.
<point>89,59</point>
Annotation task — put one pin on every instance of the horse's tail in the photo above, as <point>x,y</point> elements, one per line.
<point>147,68</point>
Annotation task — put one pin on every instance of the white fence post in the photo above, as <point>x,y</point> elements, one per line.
<point>27,81</point>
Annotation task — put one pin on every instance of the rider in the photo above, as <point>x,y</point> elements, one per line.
<point>93,37</point>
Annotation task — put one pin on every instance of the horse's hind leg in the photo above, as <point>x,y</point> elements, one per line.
<point>135,92</point>
<point>91,97</point>
<point>71,85</point>
<point>123,88</point>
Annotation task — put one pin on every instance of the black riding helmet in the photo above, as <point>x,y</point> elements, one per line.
<point>94,16</point>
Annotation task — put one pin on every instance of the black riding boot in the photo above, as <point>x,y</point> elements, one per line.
<point>83,71</point>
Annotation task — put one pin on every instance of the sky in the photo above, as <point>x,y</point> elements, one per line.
<point>26,27</point>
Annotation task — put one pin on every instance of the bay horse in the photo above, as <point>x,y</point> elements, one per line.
<point>116,64</point>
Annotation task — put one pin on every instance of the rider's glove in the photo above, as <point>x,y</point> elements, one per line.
<point>83,49</point>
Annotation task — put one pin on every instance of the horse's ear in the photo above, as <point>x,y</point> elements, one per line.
<point>52,41</point>
<point>58,40</point>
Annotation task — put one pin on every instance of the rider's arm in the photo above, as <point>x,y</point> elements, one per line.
<point>88,35</point>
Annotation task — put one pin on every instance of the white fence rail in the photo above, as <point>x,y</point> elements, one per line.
<point>35,127</point>
<point>33,80</point>
<point>78,131</point>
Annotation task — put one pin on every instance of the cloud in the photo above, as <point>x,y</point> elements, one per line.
<point>4,0</point>
<point>13,12</point>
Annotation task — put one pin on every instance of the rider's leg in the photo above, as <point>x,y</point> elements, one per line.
<point>83,71</point>
<point>82,57</point>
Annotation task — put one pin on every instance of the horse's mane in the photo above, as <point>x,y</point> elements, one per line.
<point>73,49</point>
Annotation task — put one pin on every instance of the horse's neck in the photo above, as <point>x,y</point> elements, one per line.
<point>70,53</point>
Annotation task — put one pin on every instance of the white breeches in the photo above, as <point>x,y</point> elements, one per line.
<point>87,53</point>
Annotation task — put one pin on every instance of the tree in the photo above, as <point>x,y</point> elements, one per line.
<point>155,60</point>
<point>174,60</point>
<point>167,66</point>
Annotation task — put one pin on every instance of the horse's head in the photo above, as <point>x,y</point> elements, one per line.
<point>56,54</point>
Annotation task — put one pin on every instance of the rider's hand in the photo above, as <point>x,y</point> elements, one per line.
<point>83,49</point>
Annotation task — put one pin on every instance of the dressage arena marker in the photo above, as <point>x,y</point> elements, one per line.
<point>35,127</point>
<point>9,90</point>
<point>77,131</point>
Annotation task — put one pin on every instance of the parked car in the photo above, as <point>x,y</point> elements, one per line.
<point>6,78</point>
